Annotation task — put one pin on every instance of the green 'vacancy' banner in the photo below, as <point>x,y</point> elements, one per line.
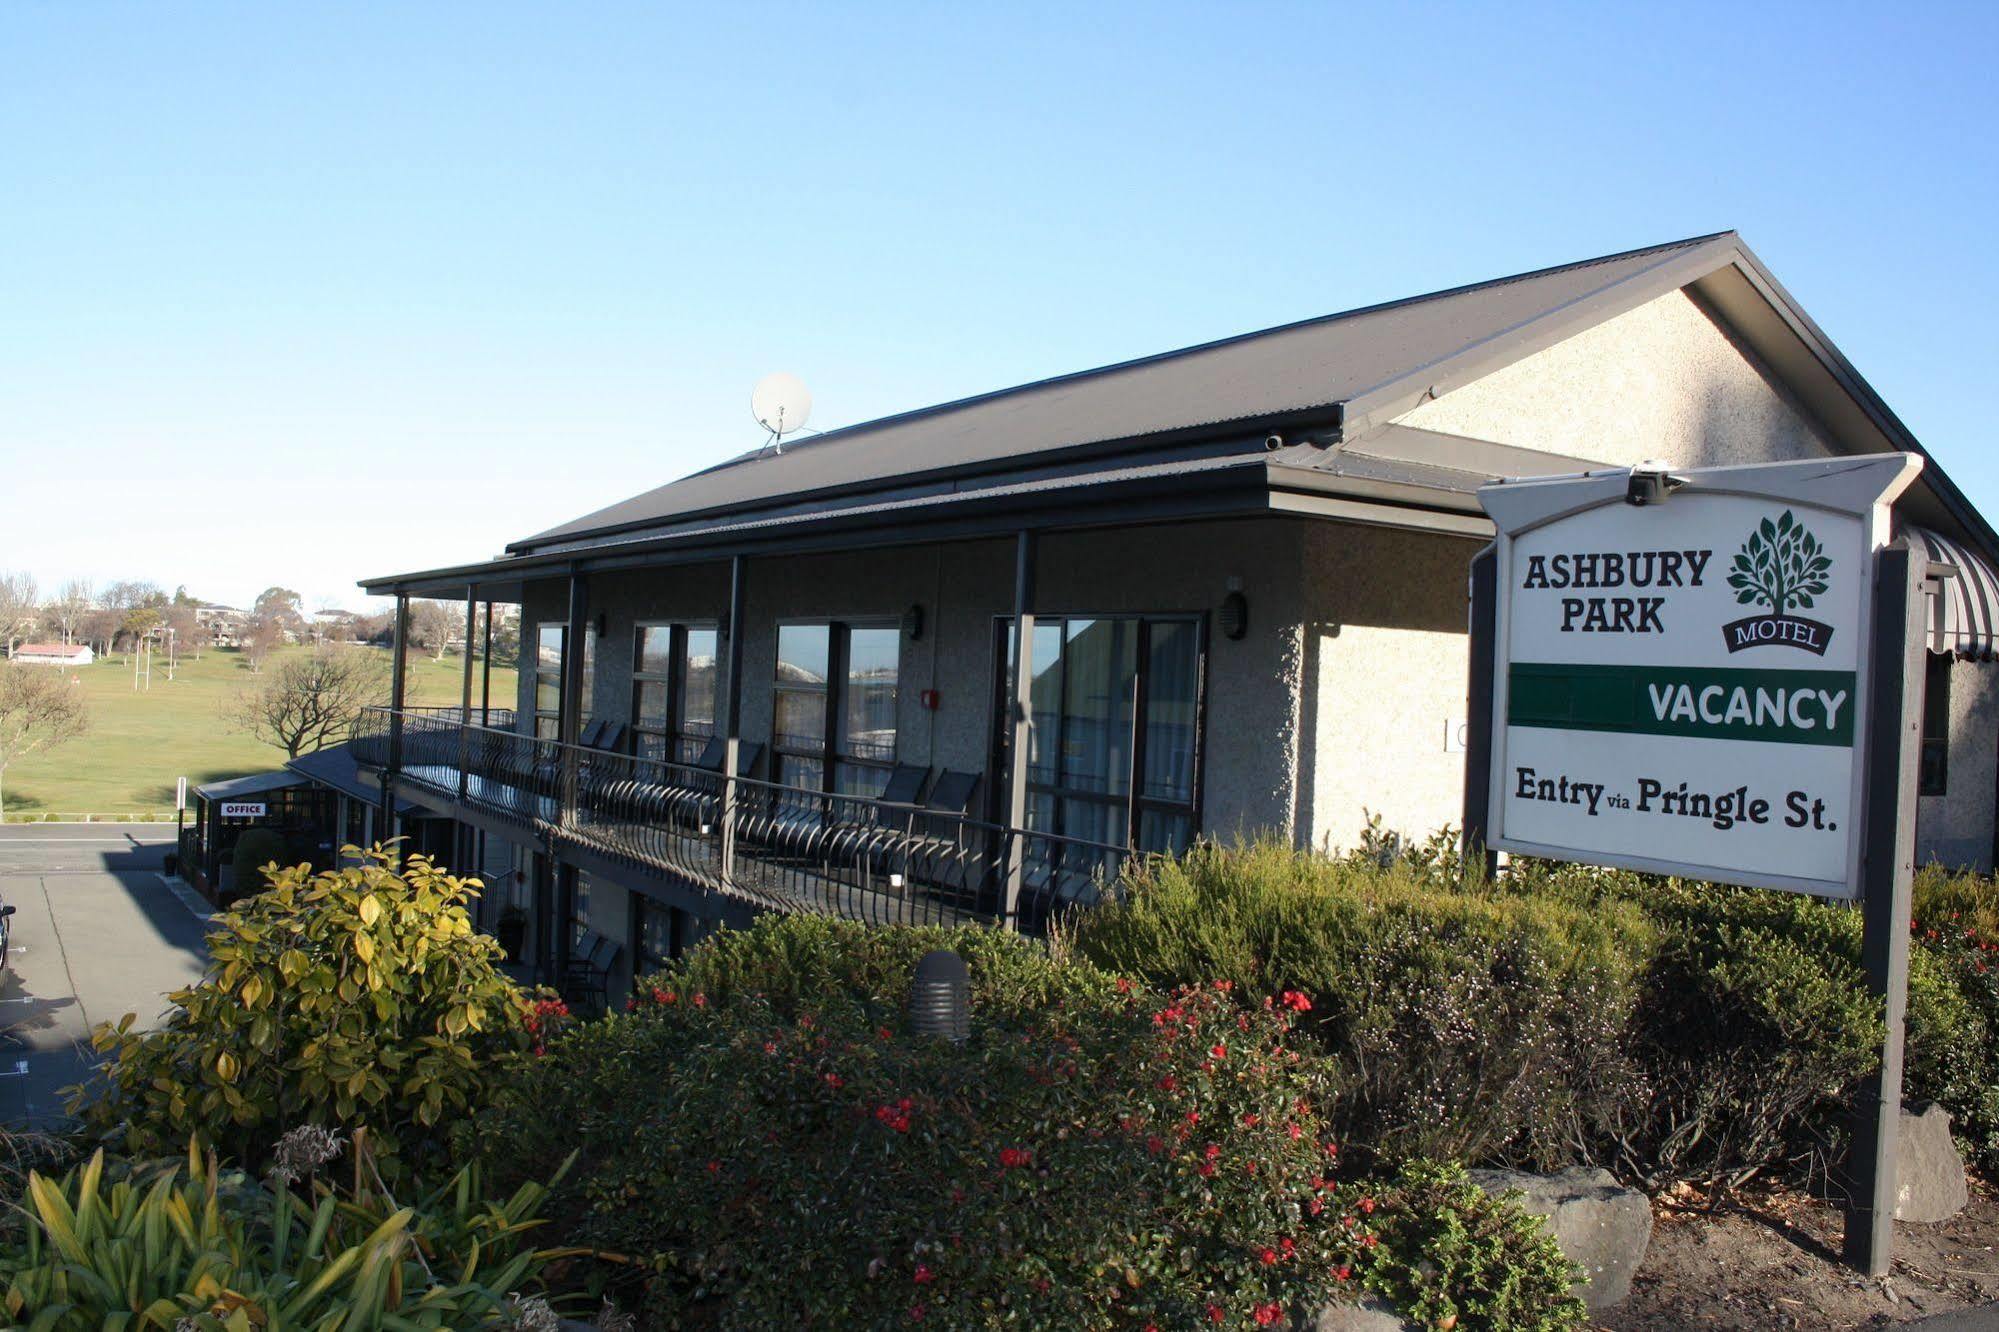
<point>1800,707</point>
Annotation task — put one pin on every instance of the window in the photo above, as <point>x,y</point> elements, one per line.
<point>1115,744</point>
<point>673,690</point>
<point>836,692</point>
<point>1935,777</point>
<point>656,930</point>
<point>579,907</point>
<point>548,641</point>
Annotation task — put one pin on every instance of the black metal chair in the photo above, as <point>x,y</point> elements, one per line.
<point>586,981</point>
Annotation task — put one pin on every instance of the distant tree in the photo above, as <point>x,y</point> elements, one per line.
<point>129,594</point>
<point>181,598</point>
<point>138,622</point>
<point>313,701</point>
<point>377,629</point>
<point>189,633</point>
<point>68,607</point>
<point>260,638</point>
<point>39,709</point>
<point>99,628</point>
<point>432,624</point>
<point>280,604</point>
<point>20,608</point>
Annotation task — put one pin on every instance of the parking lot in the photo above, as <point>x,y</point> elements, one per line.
<point>97,933</point>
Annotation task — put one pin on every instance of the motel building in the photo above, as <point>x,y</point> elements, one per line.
<point>793,681</point>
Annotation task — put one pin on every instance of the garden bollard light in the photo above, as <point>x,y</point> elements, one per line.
<point>940,1001</point>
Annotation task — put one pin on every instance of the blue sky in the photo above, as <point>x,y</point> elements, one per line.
<point>296,293</point>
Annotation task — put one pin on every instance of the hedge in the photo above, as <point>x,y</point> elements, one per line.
<point>769,1145</point>
<point>1564,1014</point>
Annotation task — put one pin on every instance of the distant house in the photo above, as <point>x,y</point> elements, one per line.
<point>54,654</point>
<point>225,624</point>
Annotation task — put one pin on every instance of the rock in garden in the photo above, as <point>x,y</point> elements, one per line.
<point>1370,1316</point>
<point>1929,1181</point>
<point>1602,1226</point>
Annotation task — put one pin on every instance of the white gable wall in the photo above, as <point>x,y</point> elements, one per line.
<point>1665,381</point>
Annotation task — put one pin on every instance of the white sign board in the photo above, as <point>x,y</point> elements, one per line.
<point>1680,685</point>
<point>242,809</point>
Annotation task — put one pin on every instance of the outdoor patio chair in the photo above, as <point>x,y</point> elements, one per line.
<point>586,981</point>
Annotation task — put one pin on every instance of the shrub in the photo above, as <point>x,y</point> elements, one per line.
<point>193,1248</point>
<point>1454,1256</point>
<point>1955,966</point>
<point>254,849</point>
<point>1464,1024</point>
<point>767,1139</point>
<point>358,997</point>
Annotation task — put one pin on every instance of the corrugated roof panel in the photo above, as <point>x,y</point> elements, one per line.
<point>1294,368</point>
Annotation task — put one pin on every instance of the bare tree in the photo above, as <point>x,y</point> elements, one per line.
<point>432,624</point>
<point>39,709</point>
<point>20,608</point>
<point>67,609</point>
<point>100,629</point>
<point>260,638</point>
<point>130,594</point>
<point>190,634</point>
<point>311,702</point>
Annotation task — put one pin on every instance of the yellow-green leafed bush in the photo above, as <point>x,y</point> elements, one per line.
<point>1466,1024</point>
<point>187,1247</point>
<point>357,997</point>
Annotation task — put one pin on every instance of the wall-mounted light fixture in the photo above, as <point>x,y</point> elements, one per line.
<point>912,623</point>
<point>1233,614</point>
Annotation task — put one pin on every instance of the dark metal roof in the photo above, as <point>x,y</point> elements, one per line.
<point>257,783</point>
<point>1118,441</point>
<point>1298,370</point>
<point>335,767</point>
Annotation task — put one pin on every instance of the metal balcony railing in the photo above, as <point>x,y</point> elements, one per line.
<point>785,848</point>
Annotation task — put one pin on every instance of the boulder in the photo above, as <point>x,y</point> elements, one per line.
<point>1929,1174</point>
<point>1369,1316</point>
<point>1602,1226</point>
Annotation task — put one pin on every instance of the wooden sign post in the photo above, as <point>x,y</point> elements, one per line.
<point>1714,674</point>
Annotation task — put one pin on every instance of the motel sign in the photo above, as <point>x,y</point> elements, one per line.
<point>1713,674</point>
<point>1679,682</point>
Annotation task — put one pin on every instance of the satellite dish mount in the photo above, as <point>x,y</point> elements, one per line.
<point>780,403</point>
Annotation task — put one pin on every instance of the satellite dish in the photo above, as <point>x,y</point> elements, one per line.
<point>780,402</point>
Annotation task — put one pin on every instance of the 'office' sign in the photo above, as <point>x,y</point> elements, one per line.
<point>1680,667</point>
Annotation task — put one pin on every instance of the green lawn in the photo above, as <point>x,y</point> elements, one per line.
<point>138,743</point>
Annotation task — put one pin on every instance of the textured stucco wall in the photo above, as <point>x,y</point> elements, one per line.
<point>1386,647</point>
<point>1955,828</point>
<point>1662,381</point>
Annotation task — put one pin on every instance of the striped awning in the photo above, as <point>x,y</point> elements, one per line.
<point>1965,618</point>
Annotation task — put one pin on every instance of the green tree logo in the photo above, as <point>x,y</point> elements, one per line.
<point>1781,565</point>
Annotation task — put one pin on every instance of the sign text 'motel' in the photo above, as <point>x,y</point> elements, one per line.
<point>1679,687</point>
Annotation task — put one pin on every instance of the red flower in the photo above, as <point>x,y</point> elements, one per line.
<point>1012,1158</point>
<point>700,1000</point>
<point>1215,1314</point>
<point>1268,1314</point>
<point>1268,1257</point>
<point>1367,1205</point>
<point>1123,985</point>
<point>1250,1121</point>
<point>1297,1002</point>
<point>1219,1051</point>
<point>1169,1083</point>
<point>835,1080</point>
<point>924,1275</point>
<point>714,1167</point>
<point>1155,1144</point>
<point>1207,1168</point>
<point>1342,1273</point>
<point>1214,1150</point>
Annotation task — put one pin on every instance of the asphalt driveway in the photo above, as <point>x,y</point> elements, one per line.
<point>98,933</point>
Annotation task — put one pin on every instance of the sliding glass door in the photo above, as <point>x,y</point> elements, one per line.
<point>1113,755</point>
